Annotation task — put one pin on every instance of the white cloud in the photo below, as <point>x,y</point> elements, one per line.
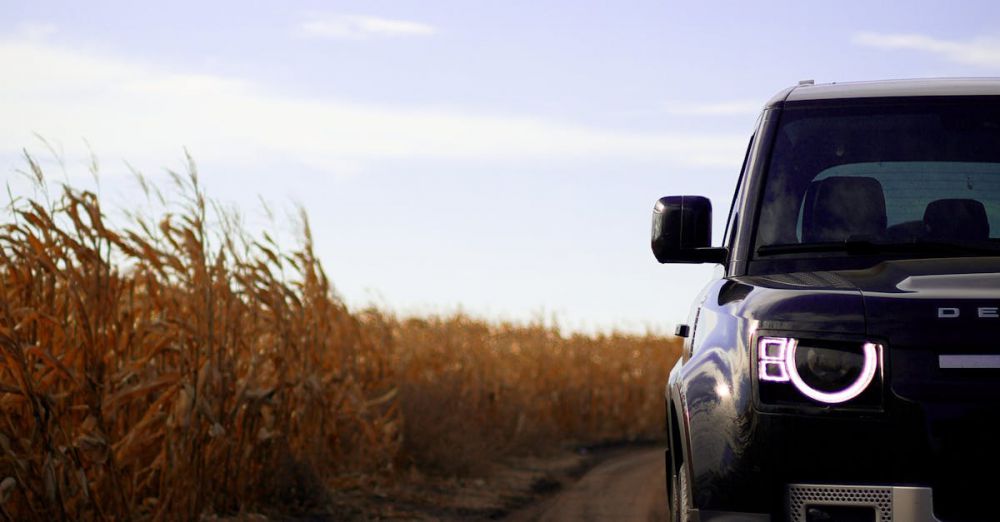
<point>722,108</point>
<point>980,52</point>
<point>145,114</point>
<point>359,27</point>
<point>36,30</point>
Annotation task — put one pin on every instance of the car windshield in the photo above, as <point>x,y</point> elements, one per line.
<point>883,177</point>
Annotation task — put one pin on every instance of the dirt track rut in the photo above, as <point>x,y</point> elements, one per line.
<point>628,487</point>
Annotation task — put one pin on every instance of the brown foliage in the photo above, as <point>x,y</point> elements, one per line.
<point>163,371</point>
<point>472,391</point>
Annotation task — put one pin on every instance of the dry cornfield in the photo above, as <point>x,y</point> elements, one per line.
<point>171,369</point>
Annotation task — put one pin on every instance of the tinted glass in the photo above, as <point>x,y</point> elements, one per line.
<point>886,171</point>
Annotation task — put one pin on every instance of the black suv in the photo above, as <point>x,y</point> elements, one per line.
<point>845,365</point>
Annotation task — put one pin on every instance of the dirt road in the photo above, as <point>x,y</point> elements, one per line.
<point>628,487</point>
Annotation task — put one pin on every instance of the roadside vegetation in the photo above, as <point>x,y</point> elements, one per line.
<point>173,367</point>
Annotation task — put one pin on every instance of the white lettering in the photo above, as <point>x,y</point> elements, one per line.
<point>989,312</point>
<point>947,313</point>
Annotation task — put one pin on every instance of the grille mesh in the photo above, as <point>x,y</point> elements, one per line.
<point>799,496</point>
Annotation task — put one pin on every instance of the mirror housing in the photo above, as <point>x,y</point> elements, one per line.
<point>682,231</point>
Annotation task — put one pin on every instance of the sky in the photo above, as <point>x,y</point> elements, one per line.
<point>500,158</point>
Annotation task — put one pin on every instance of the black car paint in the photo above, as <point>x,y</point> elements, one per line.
<point>740,455</point>
<point>935,423</point>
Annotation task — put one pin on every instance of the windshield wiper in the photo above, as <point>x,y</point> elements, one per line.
<point>919,246</point>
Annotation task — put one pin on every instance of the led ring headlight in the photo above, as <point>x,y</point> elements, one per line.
<point>848,393</point>
<point>776,363</point>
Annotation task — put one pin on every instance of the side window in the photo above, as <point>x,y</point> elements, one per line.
<point>735,226</point>
<point>734,216</point>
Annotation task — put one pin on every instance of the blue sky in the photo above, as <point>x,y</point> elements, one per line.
<point>498,156</point>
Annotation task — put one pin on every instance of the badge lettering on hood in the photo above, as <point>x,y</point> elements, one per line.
<point>983,312</point>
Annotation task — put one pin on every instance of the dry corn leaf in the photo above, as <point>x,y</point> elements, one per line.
<point>7,486</point>
<point>50,360</point>
<point>146,389</point>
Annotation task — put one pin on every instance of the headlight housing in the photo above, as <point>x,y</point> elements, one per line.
<point>819,372</point>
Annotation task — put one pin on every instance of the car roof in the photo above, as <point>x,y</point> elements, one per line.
<point>806,90</point>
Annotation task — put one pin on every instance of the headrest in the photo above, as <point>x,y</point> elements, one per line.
<point>962,219</point>
<point>843,207</point>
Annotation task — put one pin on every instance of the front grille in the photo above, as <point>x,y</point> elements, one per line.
<point>802,495</point>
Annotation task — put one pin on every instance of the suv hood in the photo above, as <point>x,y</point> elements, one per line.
<point>950,304</point>
<point>903,301</point>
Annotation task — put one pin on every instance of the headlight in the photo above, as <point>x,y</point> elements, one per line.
<point>828,372</point>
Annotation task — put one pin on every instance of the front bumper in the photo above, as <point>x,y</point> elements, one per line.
<point>883,503</point>
<point>886,503</point>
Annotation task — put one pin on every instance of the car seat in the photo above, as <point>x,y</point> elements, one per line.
<point>842,208</point>
<point>961,219</point>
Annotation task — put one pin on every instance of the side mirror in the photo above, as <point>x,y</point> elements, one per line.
<point>682,231</point>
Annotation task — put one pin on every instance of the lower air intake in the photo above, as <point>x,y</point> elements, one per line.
<point>803,496</point>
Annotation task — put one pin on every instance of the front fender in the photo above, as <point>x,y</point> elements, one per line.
<point>713,392</point>
<point>724,445</point>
